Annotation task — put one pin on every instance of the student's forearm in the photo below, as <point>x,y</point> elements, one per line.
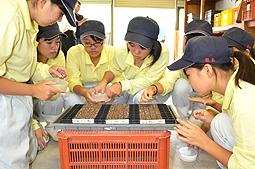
<point>160,88</point>
<point>108,77</point>
<point>217,106</point>
<point>14,88</point>
<point>79,90</point>
<point>217,152</point>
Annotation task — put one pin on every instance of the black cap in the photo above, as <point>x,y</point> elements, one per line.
<point>202,50</point>
<point>142,30</point>
<point>49,32</point>
<point>239,38</point>
<point>198,26</point>
<point>92,27</point>
<point>68,9</point>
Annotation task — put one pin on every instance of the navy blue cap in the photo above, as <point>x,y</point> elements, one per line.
<point>49,32</point>
<point>237,37</point>
<point>203,50</point>
<point>198,27</point>
<point>92,27</point>
<point>142,30</point>
<point>68,10</point>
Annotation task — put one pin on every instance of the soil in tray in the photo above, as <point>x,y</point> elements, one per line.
<point>88,111</point>
<point>118,111</point>
<point>149,112</point>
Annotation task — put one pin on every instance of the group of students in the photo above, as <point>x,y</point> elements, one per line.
<point>134,73</point>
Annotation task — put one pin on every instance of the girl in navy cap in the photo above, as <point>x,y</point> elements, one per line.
<point>241,40</point>
<point>207,62</point>
<point>87,62</point>
<point>175,83</point>
<point>49,52</point>
<point>142,61</point>
<point>18,64</point>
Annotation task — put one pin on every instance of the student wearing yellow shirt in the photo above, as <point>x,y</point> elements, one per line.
<point>48,52</point>
<point>207,62</point>
<point>49,41</point>
<point>175,83</point>
<point>142,61</point>
<point>18,64</point>
<point>87,62</point>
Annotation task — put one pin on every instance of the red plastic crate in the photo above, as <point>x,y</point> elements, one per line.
<point>248,10</point>
<point>114,149</point>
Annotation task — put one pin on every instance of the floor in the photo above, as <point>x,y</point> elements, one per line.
<point>49,158</point>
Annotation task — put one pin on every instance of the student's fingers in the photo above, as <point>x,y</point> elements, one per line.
<point>59,72</point>
<point>196,99</point>
<point>62,71</point>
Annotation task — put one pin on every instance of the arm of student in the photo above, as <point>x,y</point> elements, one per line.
<point>194,135</point>
<point>101,86</point>
<point>74,74</point>
<point>41,90</point>
<point>168,80</point>
<point>151,76</point>
<point>87,93</point>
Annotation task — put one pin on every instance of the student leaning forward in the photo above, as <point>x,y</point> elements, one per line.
<point>208,64</point>
<point>142,62</point>
<point>18,64</point>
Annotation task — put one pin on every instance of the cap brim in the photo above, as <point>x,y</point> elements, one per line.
<point>94,33</point>
<point>180,64</point>
<point>140,39</point>
<point>52,34</point>
<point>69,13</point>
<point>197,32</point>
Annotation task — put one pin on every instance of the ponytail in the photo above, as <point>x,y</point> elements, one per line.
<point>246,71</point>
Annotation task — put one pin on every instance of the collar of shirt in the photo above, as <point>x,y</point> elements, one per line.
<point>103,59</point>
<point>229,92</point>
<point>130,61</point>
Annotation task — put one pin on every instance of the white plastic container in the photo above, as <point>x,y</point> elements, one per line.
<point>100,97</point>
<point>59,84</point>
<point>188,154</point>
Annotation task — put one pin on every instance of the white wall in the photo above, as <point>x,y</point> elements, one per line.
<point>164,17</point>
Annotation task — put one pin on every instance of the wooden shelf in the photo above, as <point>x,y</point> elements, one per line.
<point>221,29</point>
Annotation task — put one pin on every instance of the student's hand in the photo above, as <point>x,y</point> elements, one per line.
<point>147,94</point>
<point>204,100</point>
<point>203,115</point>
<point>191,133</point>
<point>114,90</point>
<point>43,90</point>
<point>100,87</point>
<point>58,71</point>
<point>42,138</point>
<point>88,93</point>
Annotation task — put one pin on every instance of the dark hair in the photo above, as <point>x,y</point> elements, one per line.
<point>155,51</point>
<point>241,48</point>
<point>252,53</point>
<point>79,2</point>
<point>95,38</point>
<point>246,69</point>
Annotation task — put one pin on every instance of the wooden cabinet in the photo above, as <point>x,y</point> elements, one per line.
<point>245,19</point>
